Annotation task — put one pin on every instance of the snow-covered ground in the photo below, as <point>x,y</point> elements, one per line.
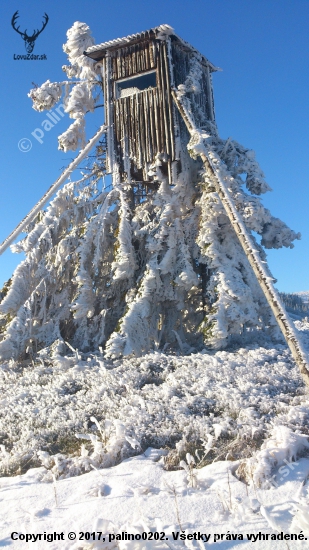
<point>139,496</point>
<point>243,414</point>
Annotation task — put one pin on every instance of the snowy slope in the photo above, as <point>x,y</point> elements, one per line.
<point>139,496</point>
<point>247,410</point>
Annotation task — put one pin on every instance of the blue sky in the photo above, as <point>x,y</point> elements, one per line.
<point>261,98</point>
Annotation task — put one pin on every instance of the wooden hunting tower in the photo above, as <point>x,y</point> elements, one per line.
<point>145,280</point>
<point>143,124</point>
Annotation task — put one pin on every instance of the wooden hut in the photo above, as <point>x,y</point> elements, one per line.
<point>144,125</point>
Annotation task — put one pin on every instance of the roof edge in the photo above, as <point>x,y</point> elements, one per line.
<point>160,33</point>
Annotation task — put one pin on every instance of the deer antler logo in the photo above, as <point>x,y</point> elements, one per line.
<point>29,40</point>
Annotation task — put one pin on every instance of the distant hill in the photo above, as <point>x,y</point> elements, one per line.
<point>304,294</point>
<point>296,303</point>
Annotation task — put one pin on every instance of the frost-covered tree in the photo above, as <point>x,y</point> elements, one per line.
<point>131,268</point>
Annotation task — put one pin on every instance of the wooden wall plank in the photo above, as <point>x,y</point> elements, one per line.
<point>170,104</point>
<point>163,100</point>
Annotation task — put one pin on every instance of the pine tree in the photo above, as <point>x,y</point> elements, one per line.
<point>132,267</point>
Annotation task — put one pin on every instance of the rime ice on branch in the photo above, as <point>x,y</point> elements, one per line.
<point>153,261</point>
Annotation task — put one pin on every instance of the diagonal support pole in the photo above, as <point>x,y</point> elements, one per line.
<point>212,163</point>
<point>53,188</point>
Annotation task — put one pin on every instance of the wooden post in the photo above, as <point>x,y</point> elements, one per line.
<point>109,115</point>
<point>209,95</point>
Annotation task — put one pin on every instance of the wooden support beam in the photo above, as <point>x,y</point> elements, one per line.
<point>53,188</point>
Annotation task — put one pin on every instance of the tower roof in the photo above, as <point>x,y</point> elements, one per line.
<point>161,32</point>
